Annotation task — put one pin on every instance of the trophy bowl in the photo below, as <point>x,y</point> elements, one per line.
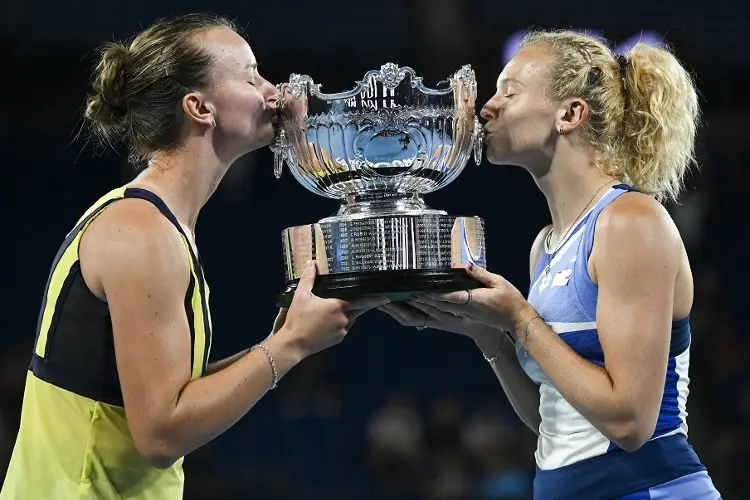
<point>379,148</point>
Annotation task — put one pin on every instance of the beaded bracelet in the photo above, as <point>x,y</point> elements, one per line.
<point>274,371</point>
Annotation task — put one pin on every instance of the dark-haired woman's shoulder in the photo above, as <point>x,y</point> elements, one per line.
<point>126,237</point>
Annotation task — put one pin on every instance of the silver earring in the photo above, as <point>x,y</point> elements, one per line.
<point>213,123</point>
<point>561,131</point>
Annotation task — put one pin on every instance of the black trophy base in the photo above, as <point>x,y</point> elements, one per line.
<point>397,285</point>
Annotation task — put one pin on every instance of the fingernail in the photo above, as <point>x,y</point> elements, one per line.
<point>471,266</point>
<point>309,263</point>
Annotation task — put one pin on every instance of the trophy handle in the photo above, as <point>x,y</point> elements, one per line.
<point>281,146</point>
<point>478,139</point>
<point>282,149</point>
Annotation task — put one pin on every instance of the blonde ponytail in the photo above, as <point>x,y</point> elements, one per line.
<point>643,110</point>
<point>660,122</point>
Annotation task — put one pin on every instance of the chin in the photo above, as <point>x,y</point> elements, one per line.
<point>507,160</point>
<point>259,139</point>
<point>496,157</point>
<point>492,159</point>
<point>265,135</point>
<point>503,155</point>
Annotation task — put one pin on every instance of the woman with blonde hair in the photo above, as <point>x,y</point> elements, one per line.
<point>595,361</point>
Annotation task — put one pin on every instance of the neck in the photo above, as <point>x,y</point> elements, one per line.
<point>184,179</point>
<point>572,185</point>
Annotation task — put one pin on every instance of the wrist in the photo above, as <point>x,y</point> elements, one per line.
<point>491,341</point>
<point>521,319</point>
<point>286,343</point>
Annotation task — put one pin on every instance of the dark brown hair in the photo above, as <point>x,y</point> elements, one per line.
<point>137,89</point>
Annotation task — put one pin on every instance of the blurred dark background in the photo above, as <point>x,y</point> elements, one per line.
<point>392,412</point>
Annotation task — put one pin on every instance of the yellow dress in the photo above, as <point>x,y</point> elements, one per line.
<point>74,442</point>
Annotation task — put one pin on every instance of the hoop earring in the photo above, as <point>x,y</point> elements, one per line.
<point>213,124</point>
<point>561,131</point>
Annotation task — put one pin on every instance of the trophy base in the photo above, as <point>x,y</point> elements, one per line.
<point>391,255</point>
<point>397,285</point>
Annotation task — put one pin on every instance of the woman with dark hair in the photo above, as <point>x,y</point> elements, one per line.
<point>120,388</point>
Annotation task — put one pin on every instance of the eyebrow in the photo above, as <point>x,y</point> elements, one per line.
<point>510,79</point>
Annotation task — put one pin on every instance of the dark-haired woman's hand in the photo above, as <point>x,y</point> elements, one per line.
<point>313,324</point>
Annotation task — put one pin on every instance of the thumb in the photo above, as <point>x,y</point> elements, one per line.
<point>279,321</point>
<point>307,280</point>
<point>481,274</point>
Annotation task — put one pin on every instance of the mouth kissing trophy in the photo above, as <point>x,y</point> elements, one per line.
<point>379,148</point>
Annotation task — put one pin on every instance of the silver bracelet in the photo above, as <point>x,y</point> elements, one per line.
<point>274,371</point>
<point>493,359</point>
<point>525,333</point>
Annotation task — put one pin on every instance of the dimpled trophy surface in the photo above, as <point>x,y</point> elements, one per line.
<point>379,148</point>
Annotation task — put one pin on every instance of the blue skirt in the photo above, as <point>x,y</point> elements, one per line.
<point>696,486</point>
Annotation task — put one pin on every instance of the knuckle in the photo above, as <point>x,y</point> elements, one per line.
<point>334,304</point>
<point>340,304</point>
<point>343,321</point>
<point>336,319</point>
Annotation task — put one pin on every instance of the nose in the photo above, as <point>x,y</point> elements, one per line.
<point>272,94</point>
<point>487,112</point>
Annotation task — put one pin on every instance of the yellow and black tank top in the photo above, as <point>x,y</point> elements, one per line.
<point>74,442</point>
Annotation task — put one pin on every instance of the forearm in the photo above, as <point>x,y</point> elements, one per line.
<point>585,385</point>
<point>209,406</point>
<point>522,392</point>
<point>224,363</point>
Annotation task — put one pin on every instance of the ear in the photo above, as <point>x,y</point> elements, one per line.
<point>572,115</point>
<point>198,109</point>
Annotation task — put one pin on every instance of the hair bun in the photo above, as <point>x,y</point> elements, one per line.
<point>107,107</point>
<point>133,102</point>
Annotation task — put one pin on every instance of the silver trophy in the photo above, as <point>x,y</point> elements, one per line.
<point>379,148</point>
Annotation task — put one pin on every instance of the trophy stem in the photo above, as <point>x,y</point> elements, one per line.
<point>381,204</point>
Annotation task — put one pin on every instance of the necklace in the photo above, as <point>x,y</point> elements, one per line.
<point>548,238</point>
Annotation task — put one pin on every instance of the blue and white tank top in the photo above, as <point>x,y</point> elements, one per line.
<point>574,460</point>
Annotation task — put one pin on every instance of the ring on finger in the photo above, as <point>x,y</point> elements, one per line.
<point>423,325</point>
<point>468,297</point>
